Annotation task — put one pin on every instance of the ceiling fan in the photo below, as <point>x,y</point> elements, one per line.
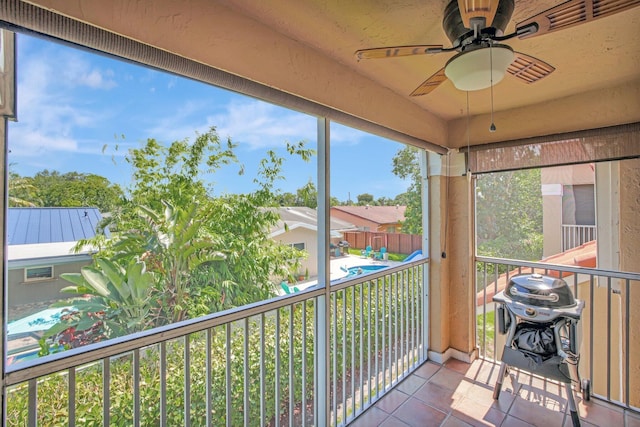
<point>476,30</point>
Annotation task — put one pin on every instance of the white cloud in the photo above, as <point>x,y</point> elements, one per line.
<point>262,125</point>
<point>49,117</point>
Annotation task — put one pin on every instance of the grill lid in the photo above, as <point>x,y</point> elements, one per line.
<point>540,291</point>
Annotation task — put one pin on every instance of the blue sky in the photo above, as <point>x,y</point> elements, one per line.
<point>72,104</point>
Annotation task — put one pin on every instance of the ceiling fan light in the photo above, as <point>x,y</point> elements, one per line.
<point>474,69</point>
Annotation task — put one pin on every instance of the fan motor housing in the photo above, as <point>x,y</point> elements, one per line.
<point>457,32</point>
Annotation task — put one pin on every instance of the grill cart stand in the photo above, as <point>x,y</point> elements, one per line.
<point>541,319</point>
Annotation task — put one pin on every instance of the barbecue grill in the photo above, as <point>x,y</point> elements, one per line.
<point>541,319</point>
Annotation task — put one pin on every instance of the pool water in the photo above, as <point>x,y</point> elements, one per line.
<point>363,269</point>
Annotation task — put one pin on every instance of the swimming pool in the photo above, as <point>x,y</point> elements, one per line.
<point>363,269</point>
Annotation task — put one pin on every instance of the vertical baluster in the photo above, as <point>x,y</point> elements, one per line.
<point>33,403</point>
<point>389,280</point>
<point>361,337</point>
<point>209,378</point>
<point>334,374</point>
<point>187,381</point>
<point>72,397</point>
<point>412,306</point>
<point>263,408</point>
<point>484,313</point>
<point>136,387</point>
<point>227,374</point>
<point>344,356</point>
<point>375,336</point>
<point>405,326</point>
<point>246,373</point>
<point>292,390</point>
<point>627,337</point>
<point>353,351</point>
<point>370,355</point>
<point>163,384</point>
<point>383,340</point>
<point>609,332</point>
<point>495,291</point>
<point>591,323</point>
<point>304,363</point>
<point>106,391</point>
<point>277,376</point>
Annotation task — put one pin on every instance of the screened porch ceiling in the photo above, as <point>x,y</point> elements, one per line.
<point>306,48</point>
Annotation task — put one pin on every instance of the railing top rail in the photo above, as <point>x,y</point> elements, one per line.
<point>28,370</point>
<point>559,267</point>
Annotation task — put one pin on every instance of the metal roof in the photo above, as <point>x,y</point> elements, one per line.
<point>51,225</point>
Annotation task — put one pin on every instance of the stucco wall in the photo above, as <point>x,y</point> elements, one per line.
<point>309,238</point>
<point>21,292</point>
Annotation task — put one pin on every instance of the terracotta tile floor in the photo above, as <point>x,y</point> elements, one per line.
<point>459,394</point>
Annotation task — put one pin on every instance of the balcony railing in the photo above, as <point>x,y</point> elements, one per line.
<point>263,364</point>
<point>576,235</point>
<point>610,351</point>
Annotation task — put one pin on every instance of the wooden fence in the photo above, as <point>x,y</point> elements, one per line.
<point>394,242</point>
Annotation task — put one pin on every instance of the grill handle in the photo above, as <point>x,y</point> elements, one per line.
<point>553,297</point>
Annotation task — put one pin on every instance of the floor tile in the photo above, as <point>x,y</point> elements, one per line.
<point>450,379</point>
<point>452,421</point>
<point>417,414</point>
<point>483,394</point>
<point>393,422</point>
<point>392,401</point>
<point>510,421</point>
<point>477,414</point>
<point>599,414</point>
<point>411,384</point>
<point>632,420</point>
<point>371,417</point>
<point>535,414</point>
<point>437,396</point>
<point>427,370</point>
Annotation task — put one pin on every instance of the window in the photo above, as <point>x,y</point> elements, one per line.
<point>299,246</point>
<point>38,273</point>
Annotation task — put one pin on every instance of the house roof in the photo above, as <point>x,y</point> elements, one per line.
<point>377,214</point>
<point>581,256</point>
<point>304,217</point>
<point>28,226</point>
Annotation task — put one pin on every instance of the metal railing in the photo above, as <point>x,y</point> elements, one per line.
<point>610,350</point>
<point>576,235</point>
<point>254,365</point>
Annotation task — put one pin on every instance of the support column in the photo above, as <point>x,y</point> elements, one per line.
<point>452,251</point>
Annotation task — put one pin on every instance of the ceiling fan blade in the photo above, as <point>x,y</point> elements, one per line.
<point>477,8</point>
<point>529,69</point>
<point>430,84</point>
<point>575,12</point>
<point>395,51</point>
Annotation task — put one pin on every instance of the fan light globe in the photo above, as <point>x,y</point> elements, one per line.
<point>474,69</point>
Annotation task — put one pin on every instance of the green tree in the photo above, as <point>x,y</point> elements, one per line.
<point>406,165</point>
<point>74,189</point>
<point>308,195</point>
<point>365,199</point>
<point>206,253</point>
<point>509,214</point>
<point>22,192</point>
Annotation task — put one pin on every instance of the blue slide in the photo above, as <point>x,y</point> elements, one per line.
<point>413,255</point>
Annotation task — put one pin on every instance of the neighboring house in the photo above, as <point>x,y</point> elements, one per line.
<point>569,209</point>
<point>386,219</point>
<point>301,231</point>
<point>40,242</point>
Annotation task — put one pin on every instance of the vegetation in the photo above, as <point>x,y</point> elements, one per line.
<point>509,215</point>
<point>406,165</point>
<point>352,312</point>
<point>72,189</point>
<point>192,254</point>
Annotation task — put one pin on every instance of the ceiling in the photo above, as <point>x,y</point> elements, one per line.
<point>306,47</point>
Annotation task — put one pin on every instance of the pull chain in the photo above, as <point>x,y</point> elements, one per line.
<point>492,128</point>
